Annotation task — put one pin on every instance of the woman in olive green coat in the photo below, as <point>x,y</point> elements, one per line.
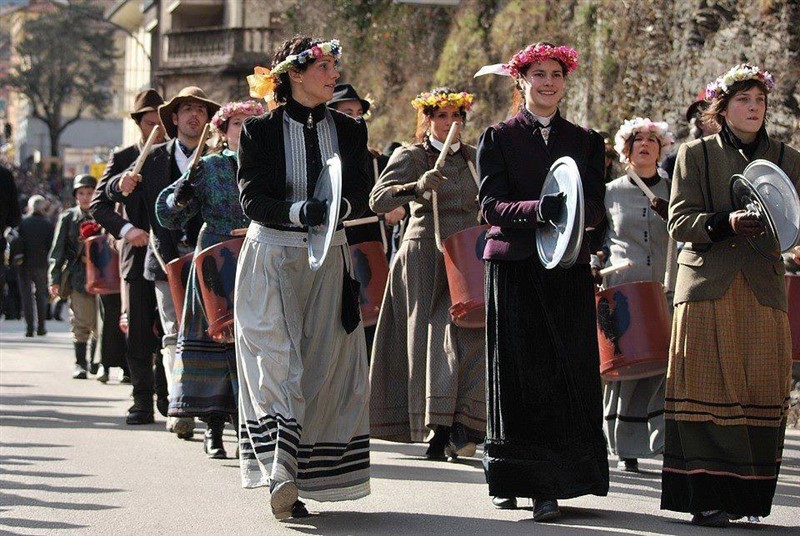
<point>730,364</point>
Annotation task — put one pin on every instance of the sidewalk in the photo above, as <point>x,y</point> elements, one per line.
<point>69,465</point>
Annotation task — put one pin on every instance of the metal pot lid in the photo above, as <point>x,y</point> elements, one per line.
<point>329,190</point>
<point>745,197</point>
<point>556,242</point>
<point>576,239</point>
<point>779,197</point>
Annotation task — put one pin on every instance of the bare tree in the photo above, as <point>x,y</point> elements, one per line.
<point>66,61</point>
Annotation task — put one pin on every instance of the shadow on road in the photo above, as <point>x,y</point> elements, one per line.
<point>574,520</point>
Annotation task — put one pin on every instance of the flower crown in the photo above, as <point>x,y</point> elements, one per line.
<point>236,108</point>
<point>642,124</point>
<point>739,73</point>
<point>538,53</point>
<point>262,81</point>
<point>428,100</point>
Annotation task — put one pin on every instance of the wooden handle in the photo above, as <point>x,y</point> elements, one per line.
<point>145,151</point>
<point>239,232</point>
<point>451,134</point>
<point>363,221</point>
<point>198,152</point>
<point>615,268</point>
<point>642,186</point>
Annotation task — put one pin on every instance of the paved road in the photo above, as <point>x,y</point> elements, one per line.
<point>69,465</point>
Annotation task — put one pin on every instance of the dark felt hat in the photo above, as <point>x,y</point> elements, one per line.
<point>346,92</point>
<point>83,181</point>
<point>698,106</point>
<point>190,93</point>
<point>146,101</point>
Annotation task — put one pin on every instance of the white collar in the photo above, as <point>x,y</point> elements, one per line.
<point>454,147</point>
<point>544,120</point>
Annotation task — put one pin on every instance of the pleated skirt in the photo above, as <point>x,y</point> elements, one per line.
<point>545,413</point>
<point>426,371</point>
<point>303,404</point>
<point>633,412</point>
<point>204,374</point>
<point>727,396</point>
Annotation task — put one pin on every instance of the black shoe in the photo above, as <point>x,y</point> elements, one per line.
<point>162,405</point>
<point>41,332</point>
<point>545,510</point>
<point>29,333</point>
<point>138,415</point>
<point>103,376</point>
<point>79,374</point>
<point>504,503</point>
<point>714,518</point>
<point>459,443</point>
<point>299,509</point>
<point>93,368</point>
<point>213,445</point>
<point>629,465</point>
<point>437,443</point>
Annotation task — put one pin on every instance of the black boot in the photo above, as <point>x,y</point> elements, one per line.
<point>437,443</point>
<point>93,367</point>
<point>212,443</point>
<point>80,361</point>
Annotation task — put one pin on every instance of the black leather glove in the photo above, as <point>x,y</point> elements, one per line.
<point>184,193</point>
<point>313,212</point>
<point>660,207</point>
<point>550,207</point>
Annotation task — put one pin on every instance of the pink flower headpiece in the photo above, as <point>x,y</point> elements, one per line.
<point>235,108</point>
<point>642,124</point>
<point>567,56</point>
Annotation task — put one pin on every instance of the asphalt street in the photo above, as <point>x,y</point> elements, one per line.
<point>70,465</point>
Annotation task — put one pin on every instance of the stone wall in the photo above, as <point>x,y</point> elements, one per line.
<point>637,58</point>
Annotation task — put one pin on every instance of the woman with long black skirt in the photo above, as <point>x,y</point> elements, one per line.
<point>544,436</point>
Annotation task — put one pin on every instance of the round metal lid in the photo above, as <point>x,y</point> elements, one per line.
<point>557,240</point>
<point>328,189</point>
<point>745,197</point>
<point>779,196</point>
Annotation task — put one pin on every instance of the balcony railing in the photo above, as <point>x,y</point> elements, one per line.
<point>216,47</point>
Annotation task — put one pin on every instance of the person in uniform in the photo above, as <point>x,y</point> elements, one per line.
<point>427,375</point>
<point>204,374</point>
<point>68,271</point>
<point>636,232</point>
<point>544,435</point>
<point>730,362</point>
<point>300,349</point>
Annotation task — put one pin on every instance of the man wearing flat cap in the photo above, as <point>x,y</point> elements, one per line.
<point>183,119</point>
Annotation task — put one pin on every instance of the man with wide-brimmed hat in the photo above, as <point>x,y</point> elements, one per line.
<point>183,119</point>
<point>127,221</point>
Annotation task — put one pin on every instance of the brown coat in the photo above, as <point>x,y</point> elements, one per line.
<point>707,269</point>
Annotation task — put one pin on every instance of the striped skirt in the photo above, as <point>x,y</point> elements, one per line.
<point>204,373</point>
<point>726,401</point>
<point>304,394</point>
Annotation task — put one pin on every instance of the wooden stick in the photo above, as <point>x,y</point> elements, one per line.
<point>145,151</point>
<point>363,221</point>
<point>616,268</point>
<point>448,141</point>
<point>198,152</point>
<point>642,186</point>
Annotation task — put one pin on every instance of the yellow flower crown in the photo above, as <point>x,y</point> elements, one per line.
<point>427,101</point>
